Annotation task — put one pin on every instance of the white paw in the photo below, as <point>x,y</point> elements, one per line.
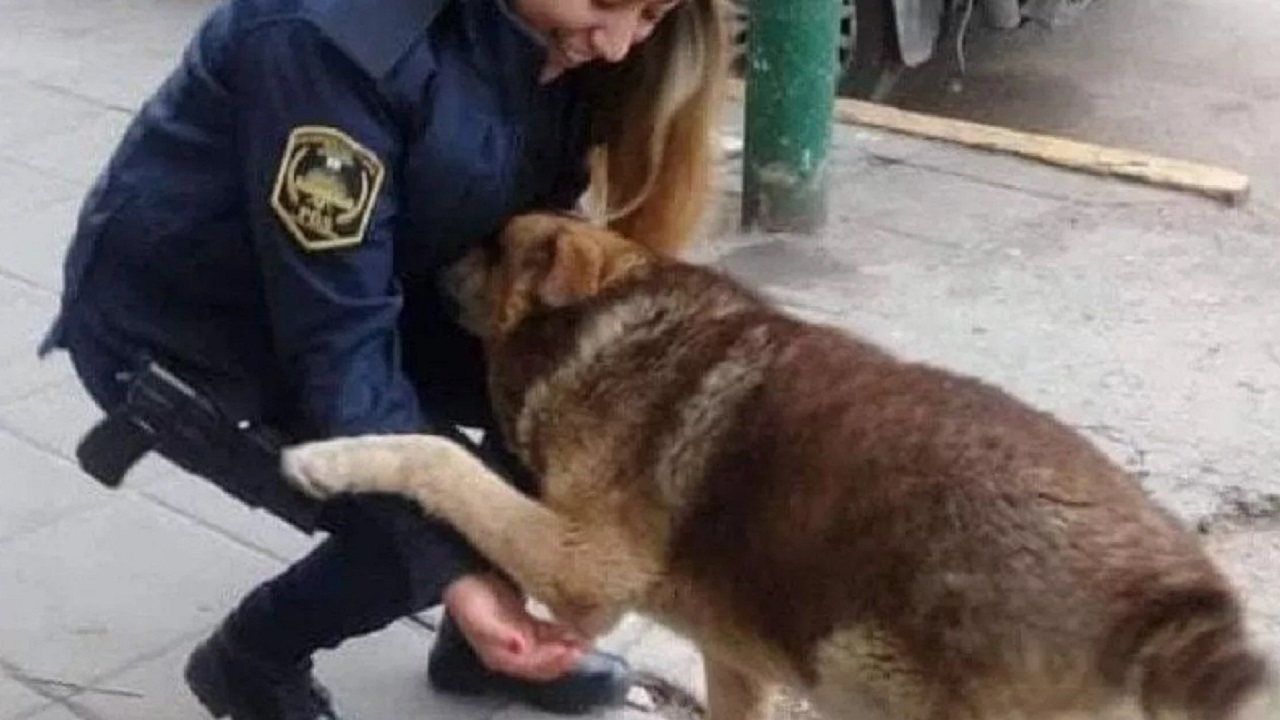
<point>323,469</point>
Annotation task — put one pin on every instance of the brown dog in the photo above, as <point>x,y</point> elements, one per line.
<point>893,540</point>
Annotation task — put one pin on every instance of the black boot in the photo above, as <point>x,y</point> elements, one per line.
<point>232,684</point>
<point>601,680</point>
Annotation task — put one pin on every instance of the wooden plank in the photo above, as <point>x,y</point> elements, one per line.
<point>1221,184</point>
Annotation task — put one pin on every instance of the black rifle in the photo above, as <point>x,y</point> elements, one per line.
<point>165,414</point>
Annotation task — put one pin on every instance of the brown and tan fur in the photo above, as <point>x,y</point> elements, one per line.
<point>894,540</point>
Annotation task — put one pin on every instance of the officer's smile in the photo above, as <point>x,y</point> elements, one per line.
<point>581,31</point>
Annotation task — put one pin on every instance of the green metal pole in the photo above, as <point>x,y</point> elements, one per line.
<point>790,96</point>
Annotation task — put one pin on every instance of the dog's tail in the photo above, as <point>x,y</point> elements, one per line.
<point>1185,656</point>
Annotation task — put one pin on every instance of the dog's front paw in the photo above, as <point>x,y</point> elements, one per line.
<point>347,465</point>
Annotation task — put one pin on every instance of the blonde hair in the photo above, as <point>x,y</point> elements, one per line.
<point>654,117</point>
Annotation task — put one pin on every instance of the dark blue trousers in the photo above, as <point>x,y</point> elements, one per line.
<point>382,559</point>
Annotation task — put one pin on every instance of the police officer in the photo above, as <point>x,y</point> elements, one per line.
<point>271,226</point>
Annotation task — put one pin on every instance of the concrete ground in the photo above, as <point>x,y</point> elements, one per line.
<point>1145,318</point>
<point>1196,79</point>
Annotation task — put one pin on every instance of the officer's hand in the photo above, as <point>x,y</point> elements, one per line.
<point>491,614</point>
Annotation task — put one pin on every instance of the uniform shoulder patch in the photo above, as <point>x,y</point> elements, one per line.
<point>326,188</point>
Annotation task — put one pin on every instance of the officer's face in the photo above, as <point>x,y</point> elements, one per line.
<point>580,31</point>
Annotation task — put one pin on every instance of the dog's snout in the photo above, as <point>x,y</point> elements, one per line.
<point>464,283</point>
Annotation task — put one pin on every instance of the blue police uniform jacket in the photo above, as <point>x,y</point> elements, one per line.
<point>304,164</point>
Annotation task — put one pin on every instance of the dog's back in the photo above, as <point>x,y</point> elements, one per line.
<point>905,539</point>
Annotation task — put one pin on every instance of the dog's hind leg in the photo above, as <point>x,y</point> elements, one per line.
<point>733,694</point>
<point>585,573</point>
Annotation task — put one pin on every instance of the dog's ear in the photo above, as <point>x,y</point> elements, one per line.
<point>575,270</point>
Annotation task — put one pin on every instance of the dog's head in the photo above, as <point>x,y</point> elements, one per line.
<point>538,262</point>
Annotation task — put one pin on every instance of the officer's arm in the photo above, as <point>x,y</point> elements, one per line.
<point>321,187</point>
<point>320,152</point>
